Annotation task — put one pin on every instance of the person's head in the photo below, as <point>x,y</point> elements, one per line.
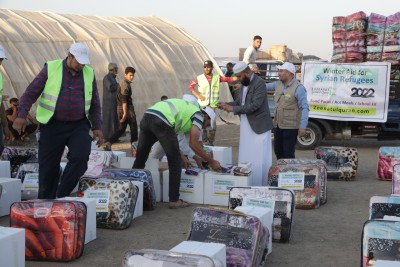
<point>286,72</point>
<point>14,102</point>
<point>242,72</point>
<point>208,67</point>
<point>229,66</point>
<point>113,68</point>
<point>78,57</point>
<point>257,40</point>
<point>164,97</point>
<point>209,117</point>
<point>129,74</point>
<point>2,54</point>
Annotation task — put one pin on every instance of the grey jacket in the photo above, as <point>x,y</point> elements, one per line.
<point>256,106</point>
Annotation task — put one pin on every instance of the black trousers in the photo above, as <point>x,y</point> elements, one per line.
<point>131,121</point>
<point>285,143</point>
<point>153,129</point>
<point>54,136</point>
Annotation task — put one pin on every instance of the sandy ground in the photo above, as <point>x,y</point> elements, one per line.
<point>327,236</point>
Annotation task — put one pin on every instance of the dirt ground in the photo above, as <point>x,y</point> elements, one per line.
<point>324,237</point>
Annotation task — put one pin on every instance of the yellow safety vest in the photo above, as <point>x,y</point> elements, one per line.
<point>48,98</point>
<point>209,91</point>
<point>178,113</point>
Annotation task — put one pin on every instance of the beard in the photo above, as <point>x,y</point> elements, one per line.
<point>245,81</point>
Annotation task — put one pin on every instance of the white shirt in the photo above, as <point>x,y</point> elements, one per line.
<point>250,55</point>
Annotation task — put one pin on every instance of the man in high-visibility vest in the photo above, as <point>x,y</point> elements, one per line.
<point>69,106</point>
<point>208,94</point>
<point>162,122</point>
<point>3,125</point>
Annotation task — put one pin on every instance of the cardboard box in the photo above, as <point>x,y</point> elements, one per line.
<point>5,169</point>
<point>222,154</point>
<point>11,193</point>
<point>265,215</point>
<point>217,186</point>
<point>139,201</point>
<point>191,188</point>
<point>119,155</point>
<point>216,251</point>
<point>90,203</point>
<point>12,247</point>
<point>383,263</point>
<point>157,184</point>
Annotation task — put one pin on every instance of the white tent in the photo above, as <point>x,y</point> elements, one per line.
<point>165,56</point>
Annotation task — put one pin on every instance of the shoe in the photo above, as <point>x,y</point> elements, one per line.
<point>178,204</point>
<point>107,146</point>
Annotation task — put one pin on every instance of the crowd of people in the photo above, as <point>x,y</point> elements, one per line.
<point>69,108</point>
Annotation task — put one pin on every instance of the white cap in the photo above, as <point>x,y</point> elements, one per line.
<point>240,66</point>
<point>80,52</point>
<point>2,52</point>
<point>210,112</point>
<point>191,99</point>
<point>288,66</point>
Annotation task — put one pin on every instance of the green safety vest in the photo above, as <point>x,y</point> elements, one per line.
<point>178,113</point>
<point>51,91</point>
<point>209,91</point>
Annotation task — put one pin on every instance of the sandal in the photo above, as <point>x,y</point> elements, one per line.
<point>179,204</point>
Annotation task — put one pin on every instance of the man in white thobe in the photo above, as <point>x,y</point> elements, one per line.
<point>255,123</point>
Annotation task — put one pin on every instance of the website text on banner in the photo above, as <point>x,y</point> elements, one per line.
<point>347,92</point>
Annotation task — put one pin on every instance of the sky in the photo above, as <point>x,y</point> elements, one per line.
<point>224,26</point>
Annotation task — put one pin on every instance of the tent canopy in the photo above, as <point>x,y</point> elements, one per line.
<point>165,56</point>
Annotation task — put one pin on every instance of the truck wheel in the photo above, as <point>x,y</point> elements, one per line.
<point>311,139</point>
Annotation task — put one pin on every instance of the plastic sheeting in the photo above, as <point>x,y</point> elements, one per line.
<point>165,56</point>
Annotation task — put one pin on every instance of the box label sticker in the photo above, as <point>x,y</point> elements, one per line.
<point>187,185</point>
<point>102,199</point>
<point>259,202</point>
<point>222,187</point>
<point>31,181</point>
<point>291,180</point>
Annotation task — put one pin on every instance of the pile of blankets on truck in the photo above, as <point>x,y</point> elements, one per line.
<point>358,38</point>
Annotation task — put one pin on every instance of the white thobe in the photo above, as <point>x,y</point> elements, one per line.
<point>254,148</point>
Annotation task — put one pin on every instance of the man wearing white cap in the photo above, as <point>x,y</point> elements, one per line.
<point>251,104</point>
<point>69,106</point>
<point>162,122</point>
<point>291,115</point>
<point>3,125</point>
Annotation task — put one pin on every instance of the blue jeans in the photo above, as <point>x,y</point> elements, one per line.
<point>153,129</point>
<point>285,143</point>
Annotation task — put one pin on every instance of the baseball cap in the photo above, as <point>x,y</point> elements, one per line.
<point>80,52</point>
<point>208,63</point>
<point>210,112</point>
<point>2,53</point>
<point>287,66</point>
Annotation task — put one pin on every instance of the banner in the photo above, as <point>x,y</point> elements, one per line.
<point>346,91</point>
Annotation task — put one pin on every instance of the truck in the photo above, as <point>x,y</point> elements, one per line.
<point>325,129</point>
